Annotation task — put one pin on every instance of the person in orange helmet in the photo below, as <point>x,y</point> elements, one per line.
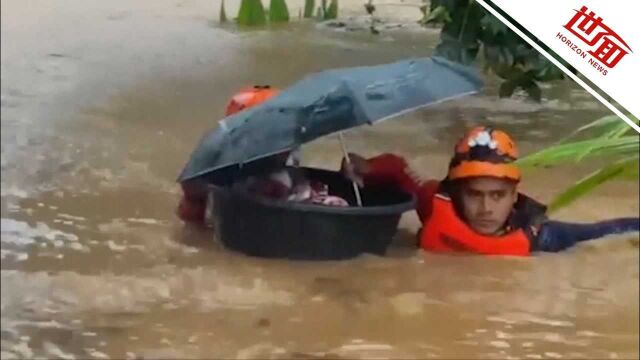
<point>193,204</point>
<point>477,208</point>
<point>249,97</point>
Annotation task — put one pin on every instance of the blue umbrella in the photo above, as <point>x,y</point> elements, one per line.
<point>328,102</point>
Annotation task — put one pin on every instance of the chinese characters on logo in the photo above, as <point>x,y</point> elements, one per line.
<point>606,45</point>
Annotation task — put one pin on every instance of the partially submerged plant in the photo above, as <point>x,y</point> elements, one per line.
<point>614,140</point>
<point>332,10</point>
<point>223,13</point>
<point>325,12</point>
<point>370,8</point>
<point>468,31</point>
<point>278,11</point>
<point>309,5</point>
<point>251,13</point>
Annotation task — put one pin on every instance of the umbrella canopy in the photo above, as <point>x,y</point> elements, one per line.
<point>328,102</point>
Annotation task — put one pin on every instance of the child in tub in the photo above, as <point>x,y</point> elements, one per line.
<point>290,184</point>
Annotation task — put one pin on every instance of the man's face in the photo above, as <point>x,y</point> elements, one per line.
<point>486,203</point>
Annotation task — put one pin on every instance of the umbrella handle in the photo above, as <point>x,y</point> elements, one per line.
<point>356,189</point>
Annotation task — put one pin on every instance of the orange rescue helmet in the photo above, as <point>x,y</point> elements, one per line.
<point>249,97</point>
<point>484,151</point>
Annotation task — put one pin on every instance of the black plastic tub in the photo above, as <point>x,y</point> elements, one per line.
<point>277,229</point>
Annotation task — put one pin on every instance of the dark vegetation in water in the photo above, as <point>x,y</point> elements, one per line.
<point>330,12</point>
<point>253,13</point>
<point>468,33</point>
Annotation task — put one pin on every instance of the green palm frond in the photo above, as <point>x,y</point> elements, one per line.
<point>580,150</point>
<point>614,141</point>
<point>619,169</point>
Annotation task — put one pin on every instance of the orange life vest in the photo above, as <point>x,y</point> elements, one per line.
<point>446,232</point>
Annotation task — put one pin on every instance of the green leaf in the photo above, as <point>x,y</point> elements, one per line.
<point>614,127</point>
<point>278,11</point>
<point>251,13</point>
<point>223,13</point>
<point>493,25</point>
<point>332,11</point>
<point>613,140</point>
<point>609,127</point>
<point>546,71</point>
<point>570,152</point>
<point>423,9</point>
<point>604,122</point>
<point>533,90</point>
<point>507,88</point>
<point>438,15</point>
<point>618,132</point>
<point>631,173</point>
<point>309,5</point>
<point>508,72</point>
<point>592,181</point>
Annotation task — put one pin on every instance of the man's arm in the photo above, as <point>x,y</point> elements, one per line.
<point>393,170</point>
<point>555,236</point>
<point>193,204</point>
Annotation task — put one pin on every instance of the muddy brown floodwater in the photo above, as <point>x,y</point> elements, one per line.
<point>102,102</point>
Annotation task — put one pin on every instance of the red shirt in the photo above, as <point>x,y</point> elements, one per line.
<point>389,169</point>
<point>194,201</point>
